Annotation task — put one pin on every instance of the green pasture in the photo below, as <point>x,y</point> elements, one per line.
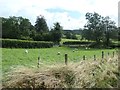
<point>15,57</point>
<point>64,40</point>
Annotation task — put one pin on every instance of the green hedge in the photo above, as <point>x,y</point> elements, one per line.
<point>115,45</point>
<point>91,44</point>
<point>13,43</point>
<point>76,43</point>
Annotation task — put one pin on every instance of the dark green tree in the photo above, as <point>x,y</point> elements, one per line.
<point>41,25</point>
<point>109,30</point>
<point>56,33</point>
<point>16,28</point>
<point>70,35</point>
<point>10,28</point>
<point>32,32</point>
<point>5,26</point>
<point>41,28</point>
<point>87,34</point>
<point>99,29</point>
<point>25,28</point>
<point>93,27</point>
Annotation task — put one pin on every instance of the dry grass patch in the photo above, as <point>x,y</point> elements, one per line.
<point>85,74</point>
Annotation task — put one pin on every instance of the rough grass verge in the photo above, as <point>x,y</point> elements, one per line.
<point>85,74</point>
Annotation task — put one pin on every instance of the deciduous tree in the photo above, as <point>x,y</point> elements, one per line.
<point>56,33</point>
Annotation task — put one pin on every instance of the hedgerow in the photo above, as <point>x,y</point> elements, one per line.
<point>14,43</point>
<point>76,42</point>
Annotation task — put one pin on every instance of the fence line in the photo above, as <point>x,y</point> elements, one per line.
<point>83,58</point>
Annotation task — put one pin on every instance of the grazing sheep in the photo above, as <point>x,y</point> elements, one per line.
<point>26,51</point>
<point>76,49</point>
<point>73,50</point>
<point>86,48</point>
<point>58,53</point>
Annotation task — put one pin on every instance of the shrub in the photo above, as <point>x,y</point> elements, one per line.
<point>14,43</point>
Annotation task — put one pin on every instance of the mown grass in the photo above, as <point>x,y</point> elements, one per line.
<point>15,57</point>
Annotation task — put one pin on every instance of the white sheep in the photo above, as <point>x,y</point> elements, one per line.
<point>26,51</point>
<point>76,49</point>
<point>58,53</point>
<point>86,48</point>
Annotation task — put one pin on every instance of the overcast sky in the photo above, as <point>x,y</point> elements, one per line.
<point>70,13</point>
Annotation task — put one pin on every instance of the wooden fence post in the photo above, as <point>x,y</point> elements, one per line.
<point>102,54</point>
<point>38,62</point>
<point>66,58</point>
<point>83,57</point>
<point>113,53</point>
<point>108,53</point>
<point>94,57</point>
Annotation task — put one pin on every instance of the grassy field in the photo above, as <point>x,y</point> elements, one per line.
<point>17,57</point>
<point>19,69</point>
<point>85,74</point>
<point>64,40</point>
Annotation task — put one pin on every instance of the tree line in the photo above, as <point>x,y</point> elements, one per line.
<point>98,28</point>
<point>21,28</point>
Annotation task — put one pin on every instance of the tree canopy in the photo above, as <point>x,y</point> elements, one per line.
<point>41,25</point>
<point>16,28</point>
<point>56,32</point>
<point>99,28</point>
<point>21,28</point>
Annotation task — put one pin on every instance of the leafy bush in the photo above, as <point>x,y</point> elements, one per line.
<point>14,43</point>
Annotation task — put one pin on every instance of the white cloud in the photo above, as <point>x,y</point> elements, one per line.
<point>66,21</point>
<point>32,8</point>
